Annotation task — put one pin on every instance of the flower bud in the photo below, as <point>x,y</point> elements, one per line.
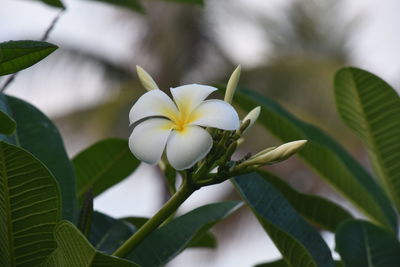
<point>146,80</point>
<point>232,84</point>
<point>252,116</point>
<point>278,154</point>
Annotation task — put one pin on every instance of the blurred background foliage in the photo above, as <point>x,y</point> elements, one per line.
<point>178,44</point>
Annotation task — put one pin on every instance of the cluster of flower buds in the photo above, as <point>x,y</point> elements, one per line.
<point>217,166</point>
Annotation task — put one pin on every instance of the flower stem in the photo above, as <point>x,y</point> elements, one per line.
<point>152,224</point>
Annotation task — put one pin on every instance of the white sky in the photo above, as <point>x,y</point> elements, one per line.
<point>376,48</point>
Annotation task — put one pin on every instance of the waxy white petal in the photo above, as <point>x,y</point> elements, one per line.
<point>216,114</point>
<point>188,97</point>
<point>148,139</point>
<point>185,148</point>
<point>153,103</point>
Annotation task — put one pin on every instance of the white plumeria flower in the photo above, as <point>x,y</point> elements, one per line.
<point>178,126</point>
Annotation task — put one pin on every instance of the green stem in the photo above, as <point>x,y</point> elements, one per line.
<point>169,207</point>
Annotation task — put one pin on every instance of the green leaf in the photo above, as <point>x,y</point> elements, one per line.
<point>73,250</point>
<point>86,214</point>
<point>133,5</point>
<point>169,240</point>
<point>361,243</point>
<point>325,156</point>
<point>54,3</point>
<point>7,124</point>
<point>103,165</point>
<point>29,208</point>
<point>371,108</point>
<point>282,263</point>
<point>298,242</point>
<point>108,234</point>
<point>19,55</point>
<point>317,210</point>
<point>203,240</point>
<point>197,2</point>
<point>277,263</point>
<point>37,134</point>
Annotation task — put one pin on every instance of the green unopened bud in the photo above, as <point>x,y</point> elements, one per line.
<point>146,80</point>
<point>252,116</point>
<point>278,154</point>
<point>232,84</point>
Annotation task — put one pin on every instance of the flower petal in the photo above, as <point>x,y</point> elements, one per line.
<point>216,114</point>
<point>148,139</point>
<point>185,148</point>
<point>153,103</point>
<point>188,97</point>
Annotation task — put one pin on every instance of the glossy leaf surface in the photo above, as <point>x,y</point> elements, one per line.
<point>298,242</point>
<point>30,207</point>
<point>37,134</point>
<point>371,108</point>
<point>361,243</point>
<point>317,210</point>
<point>73,250</point>
<point>103,165</point>
<point>19,55</point>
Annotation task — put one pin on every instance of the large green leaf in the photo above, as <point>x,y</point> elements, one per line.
<point>130,4</point>
<point>317,210</point>
<point>361,243</point>
<point>7,124</point>
<point>19,55</point>
<point>370,107</point>
<point>325,156</point>
<point>37,134</point>
<point>103,165</point>
<point>298,242</point>
<point>107,234</point>
<point>169,240</point>
<point>73,250</point>
<point>29,208</point>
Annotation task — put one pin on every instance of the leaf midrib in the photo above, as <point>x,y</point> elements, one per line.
<point>8,210</point>
<point>386,178</point>
<point>24,55</point>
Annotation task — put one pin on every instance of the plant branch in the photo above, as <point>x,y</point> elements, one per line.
<point>44,38</point>
<point>163,214</point>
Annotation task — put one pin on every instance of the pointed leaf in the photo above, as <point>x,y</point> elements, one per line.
<point>103,165</point>
<point>54,3</point>
<point>37,134</point>
<point>133,5</point>
<point>7,124</point>
<point>361,243</point>
<point>73,250</point>
<point>298,242</point>
<point>315,209</point>
<point>169,240</point>
<point>371,108</point>
<point>30,207</point>
<point>325,156</point>
<point>108,233</point>
<point>19,55</point>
